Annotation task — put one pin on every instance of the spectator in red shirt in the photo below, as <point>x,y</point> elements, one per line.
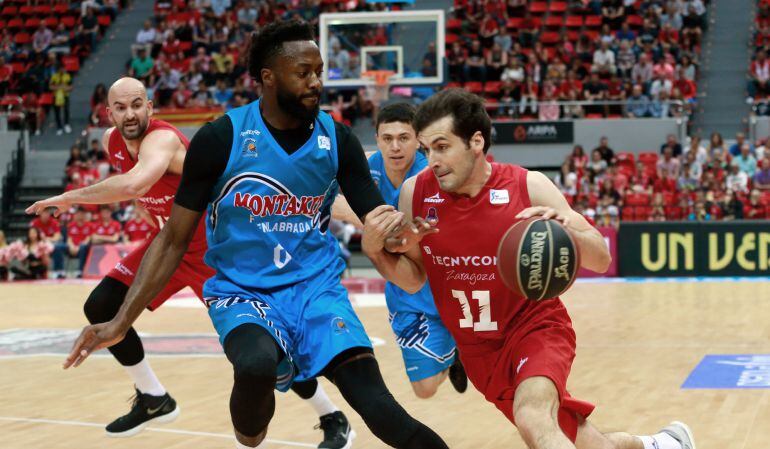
<point>755,210</point>
<point>47,225</point>
<point>77,245</point>
<point>6,71</point>
<point>138,228</point>
<point>106,229</point>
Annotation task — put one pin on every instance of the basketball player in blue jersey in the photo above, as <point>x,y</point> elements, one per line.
<point>267,174</point>
<point>427,348</point>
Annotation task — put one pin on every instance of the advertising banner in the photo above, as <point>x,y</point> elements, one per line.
<point>533,132</point>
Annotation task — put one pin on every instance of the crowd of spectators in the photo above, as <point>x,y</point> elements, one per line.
<point>698,181</point>
<point>41,47</point>
<point>757,86</point>
<point>524,56</point>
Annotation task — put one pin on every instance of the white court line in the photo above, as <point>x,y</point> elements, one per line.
<point>149,429</point>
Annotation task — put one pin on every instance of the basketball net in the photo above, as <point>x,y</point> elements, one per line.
<point>380,90</point>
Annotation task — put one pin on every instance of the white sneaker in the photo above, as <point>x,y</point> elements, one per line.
<point>681,433</point>
<point>59,132</point>
<point>67,129</point>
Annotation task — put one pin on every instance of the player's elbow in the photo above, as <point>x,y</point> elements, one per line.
<point>601,261</point>
<point>414,283</point>
<point>135,189</point>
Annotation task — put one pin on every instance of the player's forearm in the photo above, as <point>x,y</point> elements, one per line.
<point>111,190</point>
<point>158,265</point>
<point>398,269</point>
<point>594,254</point>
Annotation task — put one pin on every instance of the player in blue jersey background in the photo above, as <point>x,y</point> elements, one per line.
<point>427,348</point>
<point>266,175</point>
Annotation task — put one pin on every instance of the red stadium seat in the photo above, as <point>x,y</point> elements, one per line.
<point>550,38</point>
<point>492,88</point>
<point>70,63</point>
<point>15,24</point>
<point>635,21</point>
<point>22,38</point>
<point>60,8</point>
<point>51,21</point>
<point>68,21</point>
<point>10,100</point>
<point>554,22</point>
<point>104,20</point>
<point>625,157</point>
<point>538,7</point>
<point>557,7</point>
<point>18,67</point>
<point>574,22</point>
<point>593,21</point>
<point>473,87</point>
<point>46,99</point>
<point>43,10</point>
<point>452,84</point>
<point>627,214</point>
<point>32,23</point>
<point>514,23</point>
<point>454,24</point>
<point>9,11</point>
<point>637,199</point>
<point>451,38</point>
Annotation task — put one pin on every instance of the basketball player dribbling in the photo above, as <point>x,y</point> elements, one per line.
<point>266,175</point>
<point>149,155</point>
<point>428,350</point>
<point>517,352</point>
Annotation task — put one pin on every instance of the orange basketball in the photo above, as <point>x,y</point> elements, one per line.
<point>538,259</point>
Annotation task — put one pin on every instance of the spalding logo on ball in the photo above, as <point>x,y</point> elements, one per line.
<point>538,259</point>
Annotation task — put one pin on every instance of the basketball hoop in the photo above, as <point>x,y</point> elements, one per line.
<point>379,91</point>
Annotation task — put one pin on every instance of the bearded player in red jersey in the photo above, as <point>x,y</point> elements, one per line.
<point>517,352</point>
<point>149,155</point>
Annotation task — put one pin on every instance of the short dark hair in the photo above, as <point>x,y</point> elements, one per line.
<point>268,41</point>
<point>396,112</point>
<point>467,112</point>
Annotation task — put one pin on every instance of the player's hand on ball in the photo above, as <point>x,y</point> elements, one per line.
<point>410,235</point>
<point>547,213</point>
<point>93,338</point>
<point>380,224</point>
<point>57,202</point>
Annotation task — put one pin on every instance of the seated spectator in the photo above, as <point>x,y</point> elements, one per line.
<point>660,84</point>
<point>47,225</point>
<point>760,75</point>
<point>455,58</point>
<point>88,29</point>
<point>105,229</point>
<point>181,96</point>
<point>731,207</point>
<point>745,160</point>
<point>202,98</point>
<point>619,181</point>
<point>595,89</point>
<point>35,261</point>
<point>141,66</point>
<point>222,94</point>
<point>740,139</point>
<point>607,153</point>
<point>504,40</point>
<point>138,228</point>
<point>613,13</point>
<point>528,30</point>
<point>488,30</point>
<point>168,81</point>
<point>692,25</point>
<point>144,38</point>
<point>76,161</point>
<point>688,68</point>
<point>700,212</point>
<point>247,16</point>
<point>761,178</point>
<point>475,69</point>
<point>755,209</point>
<point>603,60</point>
<point>567,179</point>
<point>626,34</point>
<point>78,242</point>
<point>668,168</point>
<point>42,38</point>
<point>62,40</point>
<point>596,167</point>
<point>496,62</point>
<point>671,142</point>
<point>658,208</point>
<point>661,106</point>
<point>700,152</point>
<point>573,110</point>
<point>737,180</point>
<point>638,104</point>
<point>626,59</point>
<point>642,71</point>
<point>6,74</point>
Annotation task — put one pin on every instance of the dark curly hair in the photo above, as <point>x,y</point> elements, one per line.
<point>268,42</point>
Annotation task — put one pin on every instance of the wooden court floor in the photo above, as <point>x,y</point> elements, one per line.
<point>636,345</point>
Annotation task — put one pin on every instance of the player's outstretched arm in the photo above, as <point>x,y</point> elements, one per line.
<point>342,211</point>
<point>158,265</point>
<point>155,155</point>
<point>549,202</point>
<point>405,267</point>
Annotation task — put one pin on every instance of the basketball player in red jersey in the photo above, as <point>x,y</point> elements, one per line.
<point>517,352</point>
<point>149,155</point>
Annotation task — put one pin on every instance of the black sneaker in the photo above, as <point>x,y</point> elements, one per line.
<point>457,376</point>
<point>145,409</point>
<point>337,431</point>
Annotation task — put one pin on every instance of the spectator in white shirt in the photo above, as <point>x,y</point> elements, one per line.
<point>604,59</point>
<point>144,37</point>
<point>760,75</point>
<point>42,38</point>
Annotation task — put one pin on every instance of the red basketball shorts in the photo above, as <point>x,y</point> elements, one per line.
<point>192,272</point>
<point>543,345</point>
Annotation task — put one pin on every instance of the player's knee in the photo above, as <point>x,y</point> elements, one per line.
<point>104,301</point>
<point>257,368</point>
<point>426,388</point>
<point>536,405</point>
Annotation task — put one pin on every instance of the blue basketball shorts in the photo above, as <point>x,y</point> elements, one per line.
<point>311,321</point>
<point>426,345</point>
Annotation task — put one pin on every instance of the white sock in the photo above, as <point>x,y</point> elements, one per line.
<point>239,445</point>
<point>321,402</point>
<point>660,441</point>
<point>145,379</point>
